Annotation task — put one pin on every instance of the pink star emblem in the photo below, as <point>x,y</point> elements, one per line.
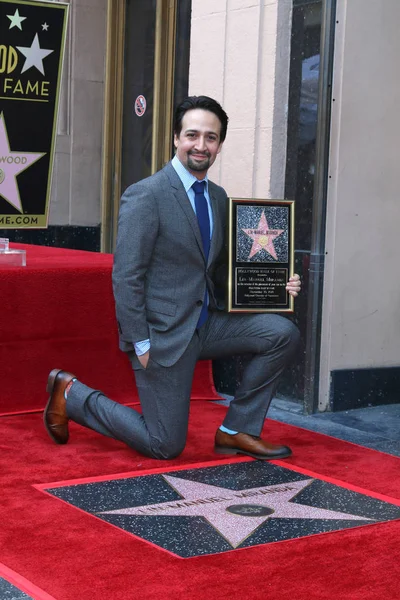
<point>215,504</point>
<point>263,237</point>
<point>11,164</point>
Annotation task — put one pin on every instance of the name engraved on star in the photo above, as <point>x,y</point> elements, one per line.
<point>264,492</point>
<point>265,233</point>
<point>214,499</point>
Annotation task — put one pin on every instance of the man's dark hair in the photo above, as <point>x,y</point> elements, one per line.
<point>205,103</point>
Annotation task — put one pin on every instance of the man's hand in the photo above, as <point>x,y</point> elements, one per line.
<point>294,285</point>
<point>144,359</point>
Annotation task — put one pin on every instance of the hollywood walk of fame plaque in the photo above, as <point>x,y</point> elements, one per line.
<point>31,57</point>
<point>261,255</point>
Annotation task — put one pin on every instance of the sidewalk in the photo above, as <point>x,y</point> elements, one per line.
<point>376,427</point>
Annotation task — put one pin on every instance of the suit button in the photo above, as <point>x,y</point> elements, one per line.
<point>199,302</point>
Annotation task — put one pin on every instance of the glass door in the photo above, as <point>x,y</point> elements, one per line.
<point>313,24</point>
<point>138,94</point>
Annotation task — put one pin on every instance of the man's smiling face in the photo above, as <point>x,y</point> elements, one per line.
<point>198,143</point>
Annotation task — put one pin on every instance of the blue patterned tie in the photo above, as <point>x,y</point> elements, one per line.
<point>203,219</point>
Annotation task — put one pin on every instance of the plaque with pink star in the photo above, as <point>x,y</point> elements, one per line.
<point>32,48</point>
<point>261,255</point>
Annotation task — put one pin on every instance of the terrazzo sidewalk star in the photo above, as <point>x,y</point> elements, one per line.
<point>215,509</point>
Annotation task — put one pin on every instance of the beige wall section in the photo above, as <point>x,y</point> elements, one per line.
<point>361,311</point>
<point>76,185</point>
<point>240,51</point>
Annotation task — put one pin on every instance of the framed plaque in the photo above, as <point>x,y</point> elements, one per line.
<point>261,255</point>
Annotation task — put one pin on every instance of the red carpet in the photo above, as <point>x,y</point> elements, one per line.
<point>71,555</point>
<point>22,585</point>
<point>58,312</point>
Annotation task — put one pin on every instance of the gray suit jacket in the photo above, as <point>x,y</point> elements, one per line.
<point>160,274</point>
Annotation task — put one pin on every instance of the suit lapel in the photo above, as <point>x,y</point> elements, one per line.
<point>184,202</point>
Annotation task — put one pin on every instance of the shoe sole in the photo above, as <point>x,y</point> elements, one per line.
<point>49,389</point>
<point>235,451</point>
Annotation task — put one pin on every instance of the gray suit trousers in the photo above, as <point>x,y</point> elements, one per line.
<point>160,431</point>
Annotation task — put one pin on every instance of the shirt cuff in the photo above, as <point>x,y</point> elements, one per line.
<point>142,347</point>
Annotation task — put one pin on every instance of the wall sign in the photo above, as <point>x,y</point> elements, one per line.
<point>31,56</point>
<point>140,106</point>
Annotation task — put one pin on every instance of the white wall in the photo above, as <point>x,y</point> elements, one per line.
<point>240,51</point>
<point>361,310</point>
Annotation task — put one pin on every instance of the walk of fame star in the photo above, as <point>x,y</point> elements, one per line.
<point>11,165</point>
<point>214,504</point>
<point>221,508</point>
<point>34,55</point>
<point>263,237</point>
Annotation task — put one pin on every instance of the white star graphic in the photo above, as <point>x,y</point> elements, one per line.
<point>34,55</point>
<point>45,27</point>
<point>16,20</point>
<point>11,164</point>
<point>228,510</point>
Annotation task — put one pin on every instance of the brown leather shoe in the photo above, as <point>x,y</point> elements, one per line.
<point>55,414</point>
<point>243,443</point>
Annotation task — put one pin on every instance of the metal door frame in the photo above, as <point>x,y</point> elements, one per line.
<point>164,66</point>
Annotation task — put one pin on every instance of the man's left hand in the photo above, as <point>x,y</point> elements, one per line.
<point>294,285</point>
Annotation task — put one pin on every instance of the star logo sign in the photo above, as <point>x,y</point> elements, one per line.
<point>16,20</point>
<point>236,514</point>
<point>34,55</point>
<point>11,165</point>
<point>263,237</point>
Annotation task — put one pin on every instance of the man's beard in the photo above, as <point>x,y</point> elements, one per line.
<point>202,165</point>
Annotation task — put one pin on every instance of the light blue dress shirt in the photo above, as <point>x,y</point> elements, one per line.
<point>187,181</point>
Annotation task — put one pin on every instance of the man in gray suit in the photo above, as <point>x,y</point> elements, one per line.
<point>168,255</point>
